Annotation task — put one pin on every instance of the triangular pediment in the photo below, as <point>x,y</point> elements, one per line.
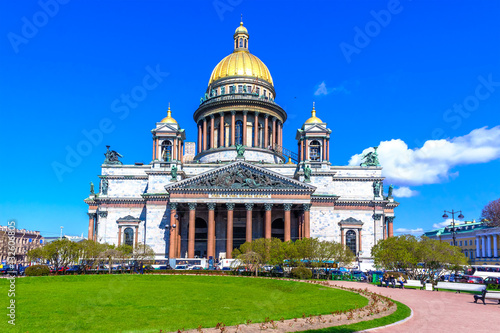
<point>240,176</point>
<point>315,128</point>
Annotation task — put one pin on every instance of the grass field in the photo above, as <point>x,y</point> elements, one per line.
<point>148,303</point>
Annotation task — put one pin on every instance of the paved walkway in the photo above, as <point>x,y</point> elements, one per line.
<point>441,311</point>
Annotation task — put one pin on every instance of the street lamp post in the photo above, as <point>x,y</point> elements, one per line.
<point>170,228</point>
<point>453,229</point>
<point>61,232</point>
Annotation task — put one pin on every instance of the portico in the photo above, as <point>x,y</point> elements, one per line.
<point>237,203</point>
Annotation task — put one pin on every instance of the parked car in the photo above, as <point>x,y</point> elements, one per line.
<point>472,279</point>
<point>359,275</point>
<point>181,267</point>
<point>74,269</point>
<point>196,268</point>
<point>492,280</point>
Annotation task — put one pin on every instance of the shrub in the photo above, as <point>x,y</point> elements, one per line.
<point>493,286</point>
<point>301,273</point>
<point>37,270</point>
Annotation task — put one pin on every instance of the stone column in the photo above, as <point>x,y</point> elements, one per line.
<point>342,236</point>
<point>233,128</point>
<point>273,143</point>
<point>229,233</point>
<point>181,147</point>
<point>307,222</point>
<point>389,220</point>
<point>175,150</point>
<point>287,208</point>
<point>323,158</point>
<point>268,207</point>
<point>360,242</point>
<point>478,254</point>
<point>212,131</point>
<point>136,235</point>
<point>211,230</point>
<point>266,133</point>
<point>256,130</point>
<point>199,138</point>
<point>245,127</point>
<point>495,246</point>
<point>154,148</point>
<point>249,207</point>
<point>488,245</point>
<point>192,228</point>
<point>328,149</point>
<point>280,134</point>
<point>306,149</point>
<point>173,227</point>
<point>204,134</point>
<point>222,142</point>
<point>119,235</point>
<point>483,246</point>
<point>179,238</point>
<point>91,226</point>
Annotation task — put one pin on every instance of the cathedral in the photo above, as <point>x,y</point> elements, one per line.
<point>238,182</point>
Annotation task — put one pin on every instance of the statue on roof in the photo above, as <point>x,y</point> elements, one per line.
<point>371,159</point>
<point>389,194</point>
<point>92,188</point>
<point>307,173</point>
<point>112,157</point>
<point>173,172</point>
<point>240,150</point>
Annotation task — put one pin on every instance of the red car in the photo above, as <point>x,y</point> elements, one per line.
<point>474,279</point>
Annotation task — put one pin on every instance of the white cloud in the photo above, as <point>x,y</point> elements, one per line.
<point>404,192</point>
<point>432,163</point>
<point>443,224</point>
<point>417,231</point>
<point>323,90</point>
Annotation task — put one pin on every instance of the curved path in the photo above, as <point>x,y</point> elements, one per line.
<point>435,311</point>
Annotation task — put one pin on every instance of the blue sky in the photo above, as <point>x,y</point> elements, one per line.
<point>420,79</point>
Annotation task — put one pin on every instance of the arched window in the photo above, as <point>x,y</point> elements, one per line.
<point>239,132</point>
<point>315,151</point>
<point>245,43</point>
<point>241,42</point>
<point>129,236</point>
<point>166,151</point>
<point>350,240</point>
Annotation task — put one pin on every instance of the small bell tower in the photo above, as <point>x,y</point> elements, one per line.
<point>314,141</point>
<point>168,141</point>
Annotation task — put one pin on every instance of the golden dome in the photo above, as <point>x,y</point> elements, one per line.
<point>241,63</point>
<point>241,29</point>
<point>168,118</point>
<point>313,119</point>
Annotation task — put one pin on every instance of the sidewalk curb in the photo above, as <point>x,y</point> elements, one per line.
<point>393,324</point>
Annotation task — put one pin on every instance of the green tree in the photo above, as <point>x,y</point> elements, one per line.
<point>90,253</point>
<point>111,254</point>
<point>143,252</point>
<point>61,252</point>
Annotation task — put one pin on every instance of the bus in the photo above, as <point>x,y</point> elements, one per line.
<point>485,270</point>
<point>188,262</point>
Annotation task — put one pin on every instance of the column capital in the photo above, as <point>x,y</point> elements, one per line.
<point>221,114</point>
<point>268,206</point>
<point>173,205</point>
<point>245,112</point>
<point>91,214</point>
<point>377,217</point>
<point>212,116</point>
<point>103,214</point>
<point>211,205</point>
<point>390,218</point>
<point>256,113</point>
<point>233,113</point>
<point>266,115</point>
<point>249,206</point>
<point>192,205</point>
<point>287,206</point>
<point>230,205</point>
<point>306,207</point>
<point>274,118</point>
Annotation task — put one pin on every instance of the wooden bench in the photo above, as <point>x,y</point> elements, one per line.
<point>488,294</point>
<point>459,286</point>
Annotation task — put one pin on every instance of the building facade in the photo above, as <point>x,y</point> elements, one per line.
<point>25,240</point>
<point>479,242</point>
<point>242,183</point>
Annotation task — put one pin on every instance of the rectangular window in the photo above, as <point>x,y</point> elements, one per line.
<point>470,242</point>
<point>460,243</point>
<point>475,241</point>
<point>257,91</point>
<point>240,88</point>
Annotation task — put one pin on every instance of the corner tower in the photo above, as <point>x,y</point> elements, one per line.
<point>238,108</point>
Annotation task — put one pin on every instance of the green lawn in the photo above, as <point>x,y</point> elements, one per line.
<point>148,303</point>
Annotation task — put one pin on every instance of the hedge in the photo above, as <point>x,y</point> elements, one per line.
<point>37,270</point>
